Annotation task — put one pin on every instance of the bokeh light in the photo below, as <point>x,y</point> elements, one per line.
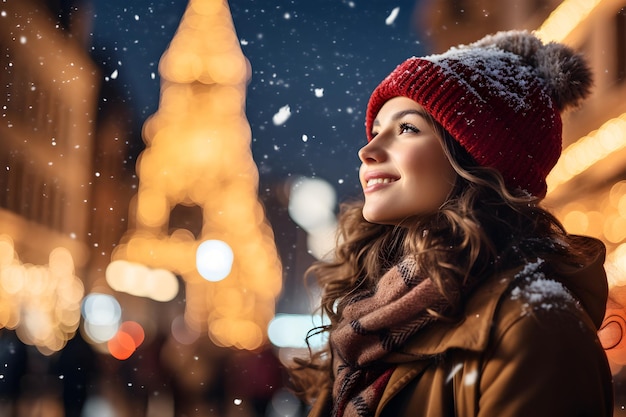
<point>182,332</point>
<point>214,260</point>
<point>102,314</point>
<point>139,280</point>
<point>290,331</point>
<point>125,342</point>
<point>312,203</point>
<point>40,302</point>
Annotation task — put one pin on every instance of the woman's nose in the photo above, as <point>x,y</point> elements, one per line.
<point>372,152</point>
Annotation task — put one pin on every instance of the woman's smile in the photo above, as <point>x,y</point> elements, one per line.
<point>376,181</point>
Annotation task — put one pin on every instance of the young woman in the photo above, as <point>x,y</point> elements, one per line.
<point>451,291</point>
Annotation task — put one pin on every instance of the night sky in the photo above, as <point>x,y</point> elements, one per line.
<point>296,48</point>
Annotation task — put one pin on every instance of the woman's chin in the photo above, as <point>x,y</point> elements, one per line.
<point>377,218</point>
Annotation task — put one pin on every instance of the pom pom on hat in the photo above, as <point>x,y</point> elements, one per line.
<point>499,97</point>
<point>567,76</point>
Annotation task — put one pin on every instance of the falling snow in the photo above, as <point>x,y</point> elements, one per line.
<point>282,115</point>
<point>324,64</point>
<point>392,16</point>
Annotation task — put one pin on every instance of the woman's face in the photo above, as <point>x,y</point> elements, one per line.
<point>404,170</point>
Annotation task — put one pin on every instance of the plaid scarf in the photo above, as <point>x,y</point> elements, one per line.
<point>375,323</point>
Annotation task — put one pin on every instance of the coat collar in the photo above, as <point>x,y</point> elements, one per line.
<point>471,333</point>
<point>586,281</point>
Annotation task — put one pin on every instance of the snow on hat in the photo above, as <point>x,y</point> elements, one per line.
<point>500,98</point>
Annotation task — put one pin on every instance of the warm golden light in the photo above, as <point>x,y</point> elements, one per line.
<point>198,154</point>
<point>604,214</point>
<point>604,217</point>
<point>588,150</point>
<point>564,19</point>
<point>41,302</point>
<point>617,261</point>
<point>139,280</point>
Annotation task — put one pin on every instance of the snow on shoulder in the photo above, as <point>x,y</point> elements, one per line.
<point>538,292</point>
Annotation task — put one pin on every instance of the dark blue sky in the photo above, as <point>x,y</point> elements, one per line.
<point>295,47</point>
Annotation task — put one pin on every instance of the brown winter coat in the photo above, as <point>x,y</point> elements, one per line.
<point>517,353</point>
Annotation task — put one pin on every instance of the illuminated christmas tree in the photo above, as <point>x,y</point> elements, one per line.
<point>198,155</point>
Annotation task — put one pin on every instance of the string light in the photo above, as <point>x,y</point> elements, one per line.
<point>564,19</point>
<point>587,151</point>
<point>40,302</point>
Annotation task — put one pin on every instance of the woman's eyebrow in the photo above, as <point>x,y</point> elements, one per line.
<point>402,113</point>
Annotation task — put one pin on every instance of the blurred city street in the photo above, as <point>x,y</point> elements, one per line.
<point>171,168</point>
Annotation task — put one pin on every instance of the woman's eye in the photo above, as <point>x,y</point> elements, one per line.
<point>407,127</point>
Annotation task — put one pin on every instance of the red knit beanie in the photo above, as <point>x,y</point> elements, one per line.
<point>500,98</point>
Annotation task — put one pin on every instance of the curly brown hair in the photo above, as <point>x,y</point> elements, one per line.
<point>482,227</point>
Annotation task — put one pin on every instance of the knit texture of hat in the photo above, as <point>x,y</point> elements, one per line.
<point>500,98</point>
